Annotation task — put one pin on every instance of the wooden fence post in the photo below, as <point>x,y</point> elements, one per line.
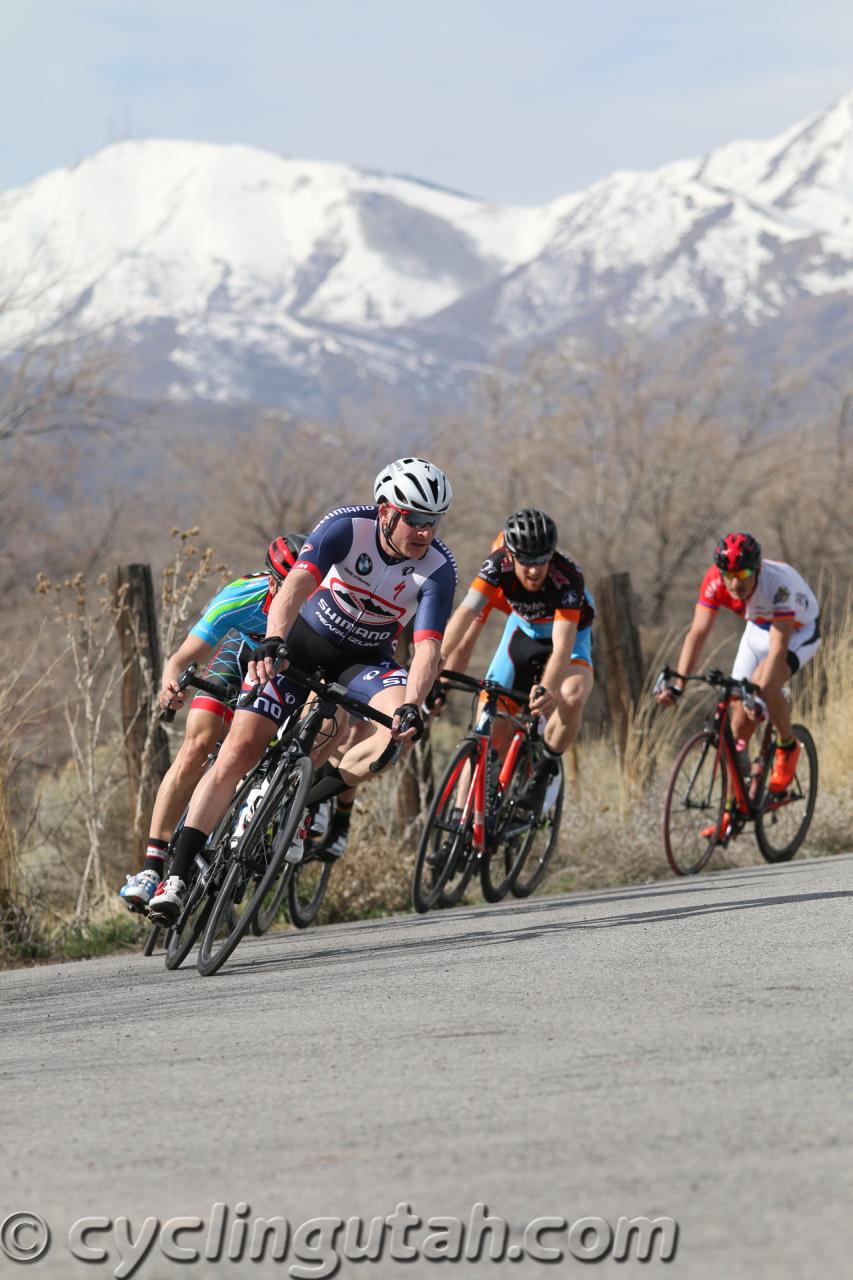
<point>623,656</point>
<point>146,748</point>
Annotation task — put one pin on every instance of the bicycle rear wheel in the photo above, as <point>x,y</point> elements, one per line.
<point>693,805</point>
<point>270,908</point>
<point>255,864</point>
<point>781,826</point>
<point>444,856</point>
<point>151,940</point>
<point>306,890</point>
<point>538,848</point>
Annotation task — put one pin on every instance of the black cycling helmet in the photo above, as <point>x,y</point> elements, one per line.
<point>736,552</point>
<point>282,554</point>
<point>531,535</point>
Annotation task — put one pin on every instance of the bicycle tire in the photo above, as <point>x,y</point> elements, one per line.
<point>267,911</point>
<point>770,822</point>
<point>151,940</point>
<point>547,824</point>
<point>238,877</point>
<point>303,907</point>
<point>694,800</point>
<point>179,943</point>
<point>428,881</point>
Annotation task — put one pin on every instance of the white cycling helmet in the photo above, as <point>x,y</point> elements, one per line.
<point>413,484</point>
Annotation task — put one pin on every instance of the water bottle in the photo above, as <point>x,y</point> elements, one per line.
<point>248,808</point>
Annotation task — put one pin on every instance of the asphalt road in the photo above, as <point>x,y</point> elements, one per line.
<point>680,1049</point>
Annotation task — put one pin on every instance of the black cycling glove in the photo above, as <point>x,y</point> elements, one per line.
<point>272,649</point>
<point>410,718</point>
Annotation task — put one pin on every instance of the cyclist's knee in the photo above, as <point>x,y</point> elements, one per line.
<point>195,749</point>
<point>240,752</point>
<point>574,692</point>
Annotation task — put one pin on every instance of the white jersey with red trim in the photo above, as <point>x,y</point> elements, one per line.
<point>364,596</point>
<point>780,592</point>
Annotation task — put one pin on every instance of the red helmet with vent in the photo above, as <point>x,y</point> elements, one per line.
<point>737,551</point>
<point>282,554</point>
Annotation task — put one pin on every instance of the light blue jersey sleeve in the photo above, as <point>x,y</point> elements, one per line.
<point>237,607</point>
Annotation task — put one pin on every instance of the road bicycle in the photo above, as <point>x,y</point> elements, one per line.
<point>487,816</point>
<point>246,872</point>
<point>707,779</point>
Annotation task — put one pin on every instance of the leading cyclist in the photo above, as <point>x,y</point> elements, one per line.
<point>362,573</point>
<point>782,634</point>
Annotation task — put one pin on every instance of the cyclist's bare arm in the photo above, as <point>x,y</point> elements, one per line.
<point>462,631</point>
<point>193,649</point>
<point>557,666</point>
<point>287,601</point>
<point>423,670</point>
<point>691,649</point>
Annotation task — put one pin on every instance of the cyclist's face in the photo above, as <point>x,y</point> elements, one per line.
<point>409,541</point>
<point>531,576</point>
<point>740,588</point>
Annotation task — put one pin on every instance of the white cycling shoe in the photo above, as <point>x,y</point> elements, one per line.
<point>168,902</point>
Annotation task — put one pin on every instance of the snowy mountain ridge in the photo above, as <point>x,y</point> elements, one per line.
<point>238,275</point>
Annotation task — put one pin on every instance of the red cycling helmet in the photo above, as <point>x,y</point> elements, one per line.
<point>737,551</point>
<point>282,554</point>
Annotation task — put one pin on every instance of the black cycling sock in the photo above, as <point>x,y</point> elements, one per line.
<point>190,841</point>
<point>340,819</point>
<point>155,855</point>
<point>331,784</point>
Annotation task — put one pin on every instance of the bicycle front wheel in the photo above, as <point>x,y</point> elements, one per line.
<point>444,856</point>
<point>781,826</point>
<point>255,865</point>
<point>539,846</point>
<point>693,804</point>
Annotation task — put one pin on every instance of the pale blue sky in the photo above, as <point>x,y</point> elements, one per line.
<point>511,100</point>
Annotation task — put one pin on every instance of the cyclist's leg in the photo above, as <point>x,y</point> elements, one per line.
<point>751,652</point>
<point>250,734</point>
<point>204,729</point>
<point>382,684</point>
<point>207,723</point>
<point>564,722</point>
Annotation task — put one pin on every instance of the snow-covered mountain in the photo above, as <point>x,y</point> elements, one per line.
<point>234,274</point>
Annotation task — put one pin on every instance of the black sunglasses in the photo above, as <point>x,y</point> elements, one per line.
<point>419,520</point>
<point>530,561</point>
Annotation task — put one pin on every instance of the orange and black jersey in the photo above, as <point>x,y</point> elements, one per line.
<point>561,595</point>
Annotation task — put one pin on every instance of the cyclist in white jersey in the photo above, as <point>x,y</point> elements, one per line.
<point>782,634</point>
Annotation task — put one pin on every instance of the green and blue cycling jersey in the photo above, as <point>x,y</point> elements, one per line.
<point>241,606</point>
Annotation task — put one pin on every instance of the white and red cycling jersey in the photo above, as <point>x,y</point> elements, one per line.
<point>780,593</point>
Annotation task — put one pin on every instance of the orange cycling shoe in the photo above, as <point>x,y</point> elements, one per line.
<point>784,767</point>
<point>724,828</point>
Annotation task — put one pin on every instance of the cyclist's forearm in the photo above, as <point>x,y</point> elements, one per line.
<point>193,649</point>
<point>691,651</point>
<point>457,659</point>
<point>423,671</point>
<point>287,602</point>
<point>558,664</point>
<point>460,636</point>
